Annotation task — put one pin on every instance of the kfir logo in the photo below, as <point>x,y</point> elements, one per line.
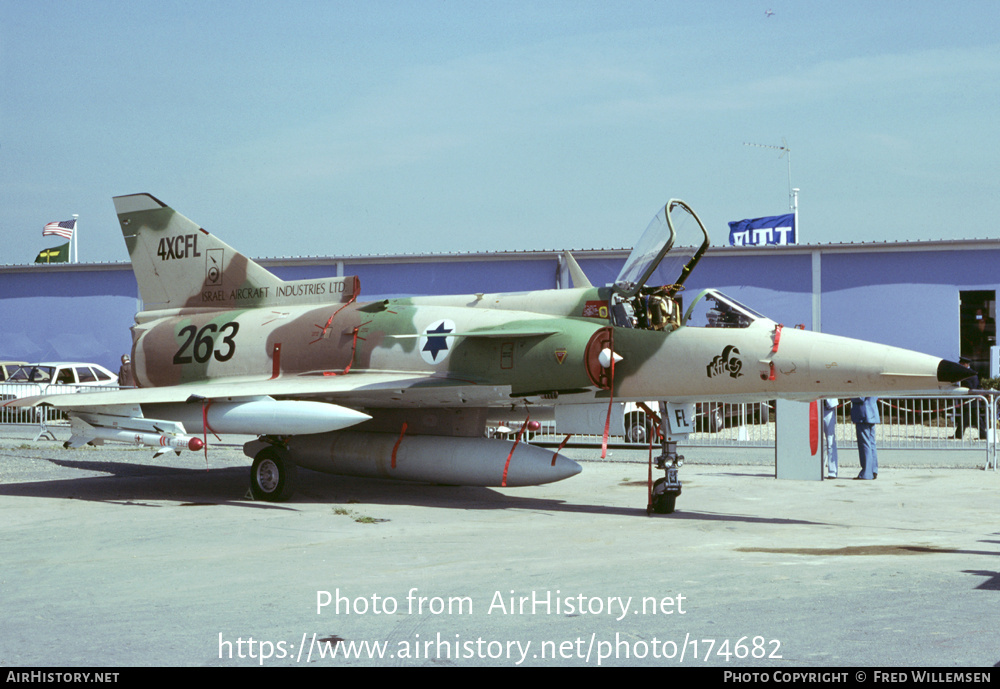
<point>727,362</point>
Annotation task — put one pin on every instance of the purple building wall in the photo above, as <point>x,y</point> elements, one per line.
<point>893,294</point>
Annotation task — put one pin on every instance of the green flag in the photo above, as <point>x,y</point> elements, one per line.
<point>57,254</point>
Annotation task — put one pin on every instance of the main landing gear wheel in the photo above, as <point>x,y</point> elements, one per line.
<point>272,477</point>
<point>663,498</point>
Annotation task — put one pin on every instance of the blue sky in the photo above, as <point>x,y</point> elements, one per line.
<point>351,128</point>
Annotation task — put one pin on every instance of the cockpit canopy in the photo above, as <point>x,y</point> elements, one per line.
<point>674,242</point>
<point>713,309</point>
<point>676,231</point>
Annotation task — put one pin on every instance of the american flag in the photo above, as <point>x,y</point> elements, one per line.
<point>63,229</point>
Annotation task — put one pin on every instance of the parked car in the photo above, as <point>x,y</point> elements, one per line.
<point>49,377</point>
<point>8,367</point>
<point>36,378</point>
<point>710,417</point>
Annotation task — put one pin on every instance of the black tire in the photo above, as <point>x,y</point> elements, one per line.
<point>272,476</point>
<point>663,501</point>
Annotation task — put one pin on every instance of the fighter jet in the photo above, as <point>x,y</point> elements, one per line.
<point>405,388</point>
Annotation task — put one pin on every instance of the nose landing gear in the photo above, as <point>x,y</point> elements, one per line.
<point>665,490</point>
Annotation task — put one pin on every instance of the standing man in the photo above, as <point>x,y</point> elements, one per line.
<point>964,413</point>
<point>125,377</point>
<point>864,414</point>
<point>830,432</point>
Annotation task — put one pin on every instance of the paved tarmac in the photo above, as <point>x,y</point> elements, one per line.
<point>111,558</point>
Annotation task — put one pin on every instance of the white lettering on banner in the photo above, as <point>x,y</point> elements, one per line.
<point>765,233</point>
<point>783,240</point>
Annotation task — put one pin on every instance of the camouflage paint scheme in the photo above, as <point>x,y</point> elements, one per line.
<point>219,327</point>
<point>213,315</point>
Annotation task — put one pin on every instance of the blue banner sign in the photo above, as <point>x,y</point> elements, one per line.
<point>776,230</point>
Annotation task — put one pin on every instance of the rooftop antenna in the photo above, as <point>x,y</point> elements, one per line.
<point>793,194</point>
<point>785,150</point>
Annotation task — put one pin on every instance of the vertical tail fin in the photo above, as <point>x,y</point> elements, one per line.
<point>179,265</point>
<point>175,261</point>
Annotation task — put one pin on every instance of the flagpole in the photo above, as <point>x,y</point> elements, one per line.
<point>76,231</point>
<point>795,210</point>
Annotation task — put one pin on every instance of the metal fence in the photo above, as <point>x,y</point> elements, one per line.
<point>716,424</point>
<point>931,423</point>
<point>42,416</point>
<point>927,423</point>
<point>917,423</point>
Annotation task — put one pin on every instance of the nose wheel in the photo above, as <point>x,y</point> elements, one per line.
<point>665,490</point>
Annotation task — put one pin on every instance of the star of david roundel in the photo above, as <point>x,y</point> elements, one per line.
<point>434,343</point>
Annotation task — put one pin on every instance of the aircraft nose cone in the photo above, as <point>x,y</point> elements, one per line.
<point>950,372</point>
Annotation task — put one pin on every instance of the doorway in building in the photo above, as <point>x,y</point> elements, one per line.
<point>977,319</point>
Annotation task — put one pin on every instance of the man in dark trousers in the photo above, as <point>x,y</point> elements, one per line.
<point>125,377</point>
<point>965,416</point>
<point>864,414</point>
